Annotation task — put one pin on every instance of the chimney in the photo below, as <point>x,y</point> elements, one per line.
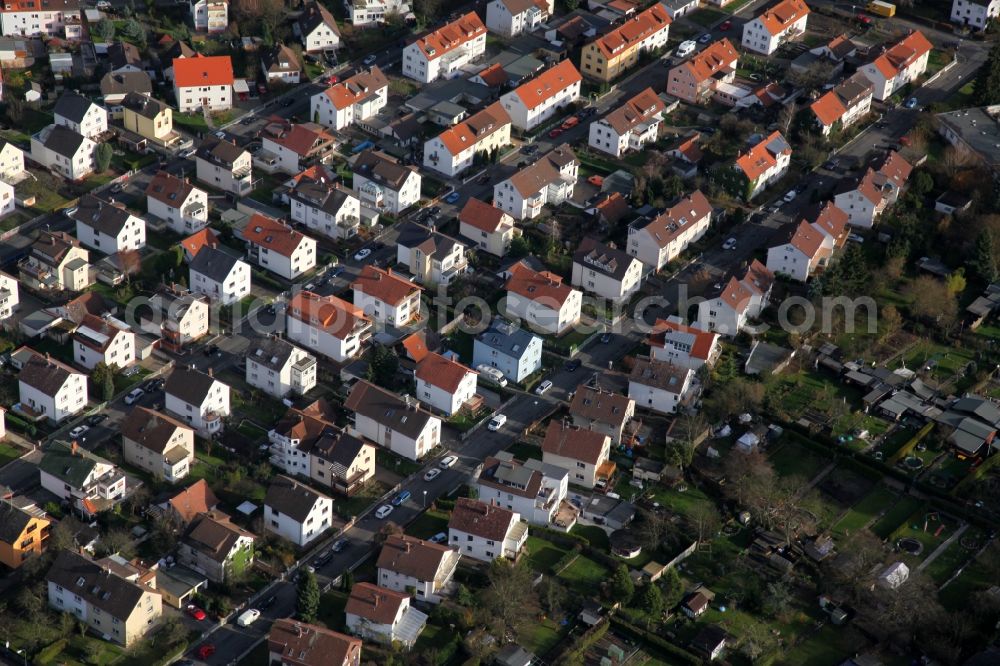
<point>210,372</point>
<point>73,448</point>
<point>406,546</point>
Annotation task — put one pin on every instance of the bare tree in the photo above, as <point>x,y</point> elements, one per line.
<point>509,603</point>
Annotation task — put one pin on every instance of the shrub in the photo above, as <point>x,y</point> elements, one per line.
<point>50,652</point>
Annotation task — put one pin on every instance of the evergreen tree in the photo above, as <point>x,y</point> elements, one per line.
<point>382,366</point>
<point>984,261</point>
<point>102,156</point>
<point>672,589</point>
<point>622,587</point>
<point>651,600</point>
<point>103,378</point>
<point>986,89</point>
<point>308,597</point>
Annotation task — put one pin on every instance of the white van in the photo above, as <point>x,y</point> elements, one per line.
<point>497,422</point>
<point>685,49</point>
<point>248,617</point>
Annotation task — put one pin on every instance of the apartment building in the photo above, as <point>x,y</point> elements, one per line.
<point>535,101</point>
<point>327,325</point>
<point>551,180</point>
<point>440,54</point>
<point>203,82</point>
<point>612,54</point>
<point>775,26</point>
<point>278,368</point>
<point>629,127</point>
<point>671,232</point>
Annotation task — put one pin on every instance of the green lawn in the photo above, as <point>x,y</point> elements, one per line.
<point>681,502</point>
<point>974,578</point>
<point>597,537</point>
<point>861,513</point>
<point>428,524</point>
<point>542,636</point>
<point>584,575</point>
<point>331,609</point>
<point>928,532</point>
<point>396,463</point>
<point>827,647</point>
<point>895,516</point>
<point>542,554</point>
<point>190,122</point>
<point>123,383</point>
<point>353,506</point>
<point>8,453</point>
<point>945,564</point>
<point>791,459</point>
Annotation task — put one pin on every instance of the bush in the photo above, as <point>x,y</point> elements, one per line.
<point>656,641</point>
<point>50,652</point>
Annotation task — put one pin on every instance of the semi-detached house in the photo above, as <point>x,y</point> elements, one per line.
<point>157,443</point>
<point>342,462</point>
<point>383,615</point>
<point>532,103</point>
<point>279,248</point>
<point>215,547</point>
<point>177,317</point>
<point>899,65</point>
<point>542,300</point>
<point>444,384</point>
<point>455,149</point>
<point>764,164</point>
<point>659,386</point>
<point>531,488</point>
<point>687,346</point>
<point>697,79</point>
<point>76,476</point>
<point>197,398</point>
<point>775,26</point>
<point>383,184</point>
<point>418,567</point>
<point>296,433</point>
<point>606,271</point>
<point>203,82</point>
<point>103,340</point>
<point>443,52</point>
<point>347,102</point>
<point>108,227</point>
<point>219,275</point>
<point>487,227</point>
<point>671,232</point>
<point>386,297</point>
<point>865,198</point>
<point>296,512</point>
<point>550,180</point>
<point>392,422</point>
<point>50,389</point>
<point>281,65</point>
<point>613,53</point>
<point>800,251</point>
<point>583,453</point>
<point>327,325</point>
<point>24,18</point>
<point>278,368</point>
<point>629,127</point>
<point>325,206</point>
<point>973,13</point>
<point>56,262</point>
<point>183,206</point>
<point>486,532</point>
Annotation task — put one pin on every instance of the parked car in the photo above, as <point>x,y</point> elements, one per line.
<point>432,474</point>
<point>911,103</point>
<point>196,612</point>
<point>543,387</point>
<point>133,396</point>
<point>491,374</point>
<point>78,431</point>
<point>362,254</point>
<point>596,181</point>
<point>685,49</point>
<point>369,60</point>
<point>790,196</point>
<point>857,238</point>
<point>383,511</point>
<point>401,498</point>
<point>529,150</point>
<point>573,365</point>
<point>440,537</point>
<point>205,651</point>
<point>339,545</point>
<point>726,25</point>
<point>248,617</point>
<point>96,419</point>
<point>554,134</point>
<point>497,422</point>
<point>448,462</point>
<point>605,338</point>
<point>705,39</point>
<point>730,244</point>
<point>831,165</point>
<point>453,198</point>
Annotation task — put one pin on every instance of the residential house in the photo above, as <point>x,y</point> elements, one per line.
<point>844,105</point>
<point>365,12</point>
<point>215,547</point>
<point>531,488</point>
<point>678,8</point>
<point>219,275</point>
<point>386,297</point>
<point>487,227</point>
<point>535,101</point>
<point>203,82</point>
<point>659,386</point>
<point>671,232</point>
<point>455,149</point>
<point>211,16</point>
<point>616,51</point>
<point>605,270</point>
<point>224,166</point>
<point>23,534</point>
<point>604,412</point>
<point>486,532</point>
<point>418,567</point>
<point>900,64</point>
<point>444,383</point>
<point>583,453</point>
<point>57,262</point>
<point>115,86</point>
<point>117,607</point>
<point>149,118</point>
<point>357,98</point>
<point>183,206</point>
<point>157,443</point>
<point>341,462</point>
<point>63,151</point>
<point>512,350</point>
<point>431,257</point>
<point>176,50</point>
<point>23,18</point>
<point>11,162</point>
<point>76,112</point>
<point>973,13</point>
<point>50,389</point>
<point>865,197</point>
<point>278,368</point>
<point>765,163</point>
<point>441,53</point>
<point>296,512</point>
<point>550,180</point>
<point>698,79</point>
<point>325,206</point>
<point>189,503</point>
<point>800,251</point>
<point>9,296</point>
<point>197,398</point>
<point>383,184</point>
<point>326,324</point>
<point>710,642</point>
<point>392,422</point>
<point>830,221</point>
<point>316,28</point>
<point>629,127</point>
<point>199,240</point>
<point>294,643</point>
<point>296,433</point>
<point>383,615</point>
<point>738,300</point>
<point>894,171</point>
<point>108,227</point>
<point>513,17</point>
<point>124,57</point>
<point>686,346</point>
<point>103,340</point>
<point>775,26</point>
<point>542,300</point>
<point>89,483</point>
<point>280,65</point>
<point>279,248</point>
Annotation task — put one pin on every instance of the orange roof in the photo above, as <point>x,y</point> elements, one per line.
<point>198,240</point>
<point>416,346</point>
<point>442,372</point>
<point>867,186</point>
<point>895,168</point>
<point>386,286</point>
<point>483,216</point>
<point>719,56</point>
<point>544,288</point>
<point>903,54</point>
<point>334,315</point>
<point>316,172</point>
<point>493,76</point>
<point>703,340</point>
<point>548,84</point>
<point>806,239</point>
<point>472,130</point>
<point>196,498</point>
<point>832,221</point>
<point>357,88</point>
<point>451,36</point>
<point>690,149</point>
<point>763,156</point>
<point>828,109</point>
<point>633,31</point>
<point>758,277</point>
<point>273,234</point>
<point>675,220</point>
<point>736,295</point>
<point>635,111</point>
<point>203,71</point>
<point>779,18</point>
<point>303,140</point>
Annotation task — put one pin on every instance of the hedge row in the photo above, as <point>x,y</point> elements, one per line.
<point>656,641</point>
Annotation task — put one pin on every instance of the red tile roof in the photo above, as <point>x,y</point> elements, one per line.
<point>828,108</point>
<point>198,240</point>
<point>487,521</point>
<point>275,235</point>
<point>806,239</point>
<point>449,37</point>
<point>334,315</point>
<point>760,158</point>
<point>386,286</point>
<point>703,340</point>
<point>780,17</point>
<point>493,76</point>
<point>472,130</point>
<point>379,605</point>
<point>895,168</point>
<point>675,220</point>
<point>442,372</point>
<point>357,88</point>
<point>903,54</point>
<point>303,140</point>
<point>548,84</point>
<point>570,441</point>
<point>203,71</point>
<point>633,31</point>
<point>483,216</point>
<point>832,221</point>
<point>545,288</point>
<point>720,56</point>
<point>639,109</point>
<point>301,644</point>
<point>416,346</point>
<point>193,500</point>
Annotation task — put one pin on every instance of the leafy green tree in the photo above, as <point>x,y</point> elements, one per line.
<point>986,89</point>
<point>308,597</point>
<point>103,378</point>
<point>382,366</point>
<point>102,157</point>
<point>956,281</point>
<point>105,29</point>
<point>671,588</point>
<point>984,261</point>
<point>621,586</point>
<point>651,600</point>
<point>519,247</point>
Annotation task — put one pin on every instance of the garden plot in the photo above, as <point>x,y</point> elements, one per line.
<point>861,514</point>
<point>792,459</point>
<point>894,517</point>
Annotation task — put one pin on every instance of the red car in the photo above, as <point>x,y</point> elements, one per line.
<point>333,79</point>
<point>554,133</point>
<point>726,25</point>
<point>196,613</point>
<point>864,19</point>
<point>205,651</point>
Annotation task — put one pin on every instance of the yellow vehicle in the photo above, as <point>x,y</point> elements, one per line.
<point>879,8</point>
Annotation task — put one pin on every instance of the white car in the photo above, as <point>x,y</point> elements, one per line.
<point>78,431</point>
<point>790,196</point>
<point>543,387</point>
<point>497,422</point>
<point>248,617</point>
<point>730,244</point>
<point>362,254</point>
<point>491,374</point>
<point>383,511</point>
<point>856,238</point>
<point>133,396</point>
<point>448,462</point>
<point>432,474</point>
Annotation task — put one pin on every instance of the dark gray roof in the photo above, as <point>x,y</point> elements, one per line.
<point>70,466</point>
<point>387,409</point>
<point>597,256</point>
<point>101,216</point>
<point>314,14</point>
<point>338,448</point>
<point>63,141</point>
<point>324,196</point>
<point>270,352</point>
<point>189,384</point>
<point>431,242</point>
<point>45,374</point>
<point>213,263</point>
<point>12,522</point>
<point>291,498</point>
<point>121,54</point>
<point>381,168</point>
<point>506,338</point>
<point>98,586</point>
<point>121,83</point>
<point>215,150</point>
<point>72,106</point>
<point>143,104</point>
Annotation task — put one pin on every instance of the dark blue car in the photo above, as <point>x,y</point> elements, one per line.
<point>400,498</point>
